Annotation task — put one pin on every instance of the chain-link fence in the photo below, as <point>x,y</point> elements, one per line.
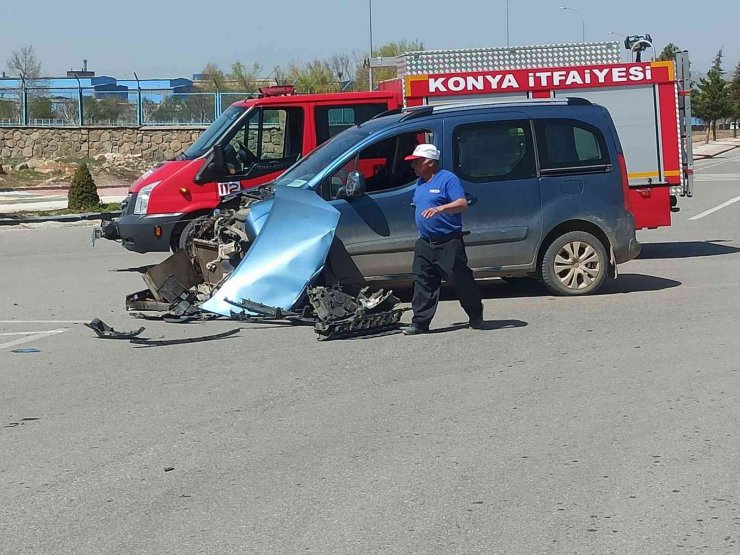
<point>40,106</point>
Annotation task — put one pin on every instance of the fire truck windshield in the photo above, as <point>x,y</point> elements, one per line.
<point>213,134</point>
<point>300,174</point>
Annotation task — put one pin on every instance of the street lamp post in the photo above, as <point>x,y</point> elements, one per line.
<point>583,21</point>
<point>370,66</point>
<point>507,24</point>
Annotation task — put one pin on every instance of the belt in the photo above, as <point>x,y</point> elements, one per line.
<point>442,239</point>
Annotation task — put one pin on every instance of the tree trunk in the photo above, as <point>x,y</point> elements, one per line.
<point>734,129</point>
<point>708,126</point>
<point>714,130</point>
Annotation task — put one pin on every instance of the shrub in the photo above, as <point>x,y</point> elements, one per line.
<point>83,194</point>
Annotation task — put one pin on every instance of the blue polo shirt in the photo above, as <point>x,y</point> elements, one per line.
<point>444,187</point>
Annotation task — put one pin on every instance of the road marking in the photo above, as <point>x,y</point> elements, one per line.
<point>43,321</point>
<point>713,210</point>
<point>717,177</point>
<point>30,338</point>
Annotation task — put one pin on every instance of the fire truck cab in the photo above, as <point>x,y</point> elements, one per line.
<point>251,143</point>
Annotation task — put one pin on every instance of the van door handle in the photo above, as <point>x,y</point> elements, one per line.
<point>412,204</point>
<point>470,199</point>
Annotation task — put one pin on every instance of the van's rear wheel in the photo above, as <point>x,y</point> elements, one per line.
<point>575,263</point>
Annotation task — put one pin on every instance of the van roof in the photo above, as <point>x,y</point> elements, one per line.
<point>403,114</point>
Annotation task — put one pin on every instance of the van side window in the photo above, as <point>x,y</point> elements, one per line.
<point>382,164</point>
<point>565,144</point>
<point>494,151</point>
<point>330,120</point>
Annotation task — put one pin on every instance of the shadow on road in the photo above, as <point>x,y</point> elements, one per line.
<point>686,249</point>
<point>633,283</point>
<point>500,289</point>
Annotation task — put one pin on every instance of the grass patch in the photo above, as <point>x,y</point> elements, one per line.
<point>104,207</point>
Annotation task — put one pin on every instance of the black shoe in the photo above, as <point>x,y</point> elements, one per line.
<point>413,329</point>
<point>476,323</point>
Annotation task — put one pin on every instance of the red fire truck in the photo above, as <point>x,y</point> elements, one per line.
<point>259,138</point>
<point>648,101</point>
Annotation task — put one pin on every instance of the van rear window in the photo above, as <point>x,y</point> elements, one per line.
<point>494,151</point>
<point>563,143</point>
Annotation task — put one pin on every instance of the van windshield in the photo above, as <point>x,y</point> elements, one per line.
<point>300,174</point>
<point>213,134</point>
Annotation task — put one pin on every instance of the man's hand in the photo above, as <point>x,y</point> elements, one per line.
<point>454,207</point>
<point>431,212</point>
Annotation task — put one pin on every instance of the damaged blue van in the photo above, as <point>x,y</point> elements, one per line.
<point>545,180</point>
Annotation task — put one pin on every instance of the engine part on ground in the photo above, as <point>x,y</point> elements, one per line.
<point>270,313</point>
<point>342,315</point>
<point>144,300</point>
<point>165,342</point>
<point>104,331</point>
<point>334,313</point>
<point>171,278</point>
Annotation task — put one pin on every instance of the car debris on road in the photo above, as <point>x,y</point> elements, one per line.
<point>250,265</point>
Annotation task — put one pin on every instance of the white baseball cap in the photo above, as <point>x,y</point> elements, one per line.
<point>427,151</point>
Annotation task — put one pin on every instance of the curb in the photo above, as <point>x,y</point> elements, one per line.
<point>60,218</point>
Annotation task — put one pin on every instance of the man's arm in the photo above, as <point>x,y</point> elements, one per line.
<point>454,207</point>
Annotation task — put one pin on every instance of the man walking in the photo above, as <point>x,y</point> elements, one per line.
<point>439,253</point>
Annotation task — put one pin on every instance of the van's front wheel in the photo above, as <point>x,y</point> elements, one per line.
<point>574,264</point>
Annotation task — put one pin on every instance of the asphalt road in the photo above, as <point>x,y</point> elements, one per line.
<point>606,424</point>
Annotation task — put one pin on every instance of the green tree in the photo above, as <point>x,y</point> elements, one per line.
<point>392,49</point>
<point>244,79</point>
<point>710,100</point>
<point>40,107</point>
<point>108,110</point>
<point>669,52</point>
<point>9,110</point>
<point>735,98</point>
<point>315,76</point>
<point>83,194</point>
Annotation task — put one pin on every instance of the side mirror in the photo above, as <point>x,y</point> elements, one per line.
<point>214,168</point>
<point>355,185</point>
<point>219,163</point>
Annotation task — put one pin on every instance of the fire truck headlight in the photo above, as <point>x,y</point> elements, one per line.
<point>142,199</point>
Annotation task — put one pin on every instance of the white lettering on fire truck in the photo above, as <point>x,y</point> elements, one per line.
<point>541,79</point>
<point>550,79</point>
<point>473,83</point>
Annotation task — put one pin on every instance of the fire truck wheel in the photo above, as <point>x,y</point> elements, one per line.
<point>574,264</point>
<point>181,235</point>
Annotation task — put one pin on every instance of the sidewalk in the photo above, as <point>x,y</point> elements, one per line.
<point>34,201</point>
<point>714,148</point>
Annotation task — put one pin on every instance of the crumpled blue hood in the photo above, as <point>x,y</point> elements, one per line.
<point>290,250</point>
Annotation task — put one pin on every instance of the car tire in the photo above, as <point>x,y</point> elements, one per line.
<point>575,264</point>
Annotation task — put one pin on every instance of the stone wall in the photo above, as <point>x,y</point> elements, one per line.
<point>152,144</point>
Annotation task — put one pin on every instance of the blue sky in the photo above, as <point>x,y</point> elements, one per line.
<point>176,39</point>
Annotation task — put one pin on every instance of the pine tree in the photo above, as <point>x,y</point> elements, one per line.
<point>83,194</point>
<point>669,52</point>
<point>711,99</point>
<point>735,98</point>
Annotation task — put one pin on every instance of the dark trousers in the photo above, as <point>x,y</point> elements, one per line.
<point>436,262</point>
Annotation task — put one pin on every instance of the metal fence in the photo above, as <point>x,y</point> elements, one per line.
<point>40,106</point>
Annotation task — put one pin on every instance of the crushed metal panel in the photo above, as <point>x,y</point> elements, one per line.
<point>170,279</point>
<point>288,253</point>
<point>515,57</point>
